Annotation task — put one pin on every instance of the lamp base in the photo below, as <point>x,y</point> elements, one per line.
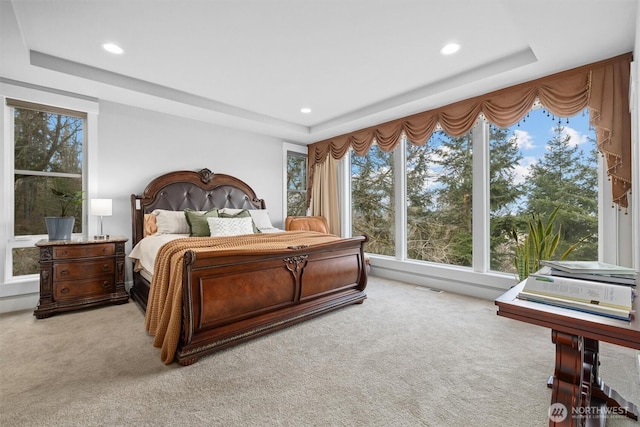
<point>101,237</point>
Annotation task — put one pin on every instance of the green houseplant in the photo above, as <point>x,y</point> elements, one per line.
<point>540,243</point>
<point>61,227</point>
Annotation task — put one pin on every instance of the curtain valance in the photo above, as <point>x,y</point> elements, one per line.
<point>601,86</point>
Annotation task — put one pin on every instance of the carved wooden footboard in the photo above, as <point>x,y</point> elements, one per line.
<point>229,299</point>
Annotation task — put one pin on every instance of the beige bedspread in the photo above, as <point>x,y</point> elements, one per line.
<point>163,317</point>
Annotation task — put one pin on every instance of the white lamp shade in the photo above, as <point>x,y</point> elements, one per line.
<point>100,207</point>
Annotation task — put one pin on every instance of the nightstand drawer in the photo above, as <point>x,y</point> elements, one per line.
<point>82,270</point>
<point>83,288</point>
<point>83,251</point>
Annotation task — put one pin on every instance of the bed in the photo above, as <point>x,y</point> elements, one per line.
<point>203,294</point>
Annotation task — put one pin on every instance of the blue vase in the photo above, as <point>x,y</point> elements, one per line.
<point>59,228</point>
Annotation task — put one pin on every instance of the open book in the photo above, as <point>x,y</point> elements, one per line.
<point>589,296</point>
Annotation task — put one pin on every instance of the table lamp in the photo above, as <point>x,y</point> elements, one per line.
<point>101,208</point>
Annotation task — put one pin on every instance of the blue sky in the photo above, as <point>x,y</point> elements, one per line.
<point>537,129</point>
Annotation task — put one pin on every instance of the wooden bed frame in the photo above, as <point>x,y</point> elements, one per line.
<point>269,292</point>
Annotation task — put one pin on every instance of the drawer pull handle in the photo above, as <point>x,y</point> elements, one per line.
<point>64,272</point>
<point>62,252</point>
<point>64,290</point>
<point>106,285</point>
<point>105,267</point>
<point>105,250</point>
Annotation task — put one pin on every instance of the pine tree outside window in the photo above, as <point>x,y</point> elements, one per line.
<point>372,200</point>
<point>439,188</point>
<point>556,165</point>
<point>296,189</point>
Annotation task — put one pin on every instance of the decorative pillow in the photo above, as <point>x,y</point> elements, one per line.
<point>237,213</point>
<point>150,227</point>
<point>198,225</point>
<point>231,211</point>
<point>230,226</point>
<point>171,222</point>
<point>261,219</point>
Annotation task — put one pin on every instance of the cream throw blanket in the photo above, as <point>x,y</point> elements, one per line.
<point>163,318</point>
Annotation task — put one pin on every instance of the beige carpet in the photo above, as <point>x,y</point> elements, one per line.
<point>406,357</point>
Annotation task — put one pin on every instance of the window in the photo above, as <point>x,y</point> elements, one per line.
<point>296,181</point>
<point>48,157</point>
<point>439,185</point>
<point>531,167</point>
<point>372,200</point>
<point>537,165</point>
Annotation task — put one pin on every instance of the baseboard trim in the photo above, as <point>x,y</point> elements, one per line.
<point>19,302</point>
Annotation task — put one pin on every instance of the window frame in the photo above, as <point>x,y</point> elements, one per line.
<point>59,100</point>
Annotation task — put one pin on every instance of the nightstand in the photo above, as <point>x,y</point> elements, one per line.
<point>76,274</point>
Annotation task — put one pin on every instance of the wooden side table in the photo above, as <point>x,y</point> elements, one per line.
<point>579,396</point>
<point>76,274</point>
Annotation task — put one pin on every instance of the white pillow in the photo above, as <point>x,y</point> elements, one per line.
<point>261,218</point>
<point>171,222</point>
<point>230,226</point>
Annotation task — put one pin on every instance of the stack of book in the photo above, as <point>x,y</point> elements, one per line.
<point>592,287</point>
<point>593,270</point>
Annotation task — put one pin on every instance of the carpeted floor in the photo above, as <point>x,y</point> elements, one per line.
<point>406,357</point>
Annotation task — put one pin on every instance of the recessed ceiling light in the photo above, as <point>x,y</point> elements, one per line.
<point>450,48</point>
<point>113,48</point>
<point>305,110</point>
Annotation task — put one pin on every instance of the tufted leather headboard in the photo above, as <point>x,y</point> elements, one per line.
<point>200,191</point>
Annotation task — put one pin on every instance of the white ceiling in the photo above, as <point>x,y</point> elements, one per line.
<point>253,64</point>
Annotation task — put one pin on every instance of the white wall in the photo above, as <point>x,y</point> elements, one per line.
<point>136,145</point>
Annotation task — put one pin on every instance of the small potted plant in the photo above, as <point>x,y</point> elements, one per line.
<point>61,227</point>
